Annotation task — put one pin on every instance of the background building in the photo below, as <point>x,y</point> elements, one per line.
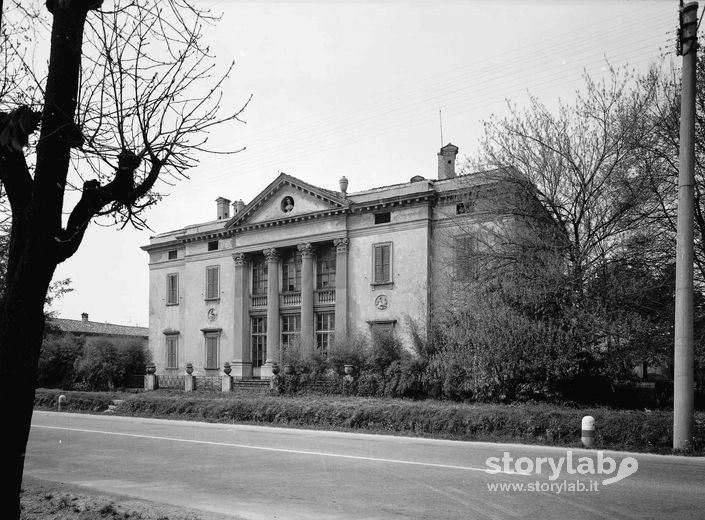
<point>96,329</point>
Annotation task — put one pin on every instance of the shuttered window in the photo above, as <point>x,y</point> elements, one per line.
<point>212,351</point>
<point>383,263</point>
<point>172,352</point>
<point>212,282</point>
<point>172,289</point>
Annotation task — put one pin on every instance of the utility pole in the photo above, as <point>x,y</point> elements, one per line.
<point>683,354</point>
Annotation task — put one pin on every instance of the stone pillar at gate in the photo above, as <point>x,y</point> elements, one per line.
<point>241,363</point>
<point>272,258</point>
<point>341,287</point>
<point>306,298</point>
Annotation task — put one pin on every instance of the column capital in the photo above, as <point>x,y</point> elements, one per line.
<point>271,255</point>
<point>341,245</point>
<point>306,250</point>
<point>239,259</point>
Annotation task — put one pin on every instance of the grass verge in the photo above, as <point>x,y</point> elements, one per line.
<point>630,430</point>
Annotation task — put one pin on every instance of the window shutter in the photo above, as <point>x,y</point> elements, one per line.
<point>211,352</point>
<point>379,271</point>
<point>172,290</point>
<point>382,263</point>
<point>171,352</point>
<point>212,282</point>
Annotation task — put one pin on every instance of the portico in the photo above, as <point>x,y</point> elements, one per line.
<point>287,294</point>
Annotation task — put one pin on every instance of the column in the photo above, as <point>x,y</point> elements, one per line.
<point>272,258</point>
<point>242,355</point>
<point>341,287</point>
<point>306,299</point>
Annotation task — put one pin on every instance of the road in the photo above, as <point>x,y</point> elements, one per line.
<point>251,472</point>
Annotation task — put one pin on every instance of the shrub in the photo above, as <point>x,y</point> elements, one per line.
<point>106,363</point>
<point>349,350</point>
<point>370,384</point>
<point>384,349</point>
<point>57,360</point>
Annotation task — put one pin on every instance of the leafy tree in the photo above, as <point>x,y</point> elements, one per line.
<point>570,262</point>
<point>127,97</point>
<point>580,166</point>
<point>105,363</point>
<point>659,152</point>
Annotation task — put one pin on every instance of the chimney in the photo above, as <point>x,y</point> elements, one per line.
<point>223,208</point>
<point>84,316</point>
<point>446,162</point>
<point>238,206</point>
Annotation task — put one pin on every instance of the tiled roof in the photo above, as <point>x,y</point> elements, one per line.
<point>95,328</point>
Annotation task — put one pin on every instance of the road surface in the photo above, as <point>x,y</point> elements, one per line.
<point>251,472</point>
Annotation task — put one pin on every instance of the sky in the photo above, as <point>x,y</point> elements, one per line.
<point>367,90</point>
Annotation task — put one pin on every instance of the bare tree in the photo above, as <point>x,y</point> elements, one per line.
<point>128,97</point>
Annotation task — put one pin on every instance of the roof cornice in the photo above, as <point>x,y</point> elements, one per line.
<point>290,220</point>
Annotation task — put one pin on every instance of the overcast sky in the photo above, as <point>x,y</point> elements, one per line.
<point>355,88</point>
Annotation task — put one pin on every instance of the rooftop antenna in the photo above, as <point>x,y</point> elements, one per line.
<point>440,119</point>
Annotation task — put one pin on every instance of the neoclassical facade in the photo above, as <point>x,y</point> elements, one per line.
<point>305,264</point>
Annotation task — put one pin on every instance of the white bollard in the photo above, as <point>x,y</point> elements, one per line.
<point>62,399</point>
<point>588,431</point>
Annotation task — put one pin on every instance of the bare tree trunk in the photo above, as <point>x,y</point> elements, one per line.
<point>21,331</point>
<point>34,249</point>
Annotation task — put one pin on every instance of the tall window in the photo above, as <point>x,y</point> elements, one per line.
<point>325,269</point>
<point>212,282</point>
<point>172,351</point>
<point>383,263</point>
<point>291,328</point>
<point>259,276</point>
<point>291,271</point>
<point>212,340</point>
<point>465,249</point>
<point>172,289</point>
<point>258,340</point>
<point>325,331</point>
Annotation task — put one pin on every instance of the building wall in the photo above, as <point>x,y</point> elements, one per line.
<point>408,232</point>
<point>196,312</point>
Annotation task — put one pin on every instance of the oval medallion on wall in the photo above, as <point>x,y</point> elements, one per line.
<point>212,314</point>
<point>287,204</point>
<point>382,302</point>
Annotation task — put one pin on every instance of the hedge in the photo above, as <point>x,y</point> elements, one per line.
<point>632,430</point>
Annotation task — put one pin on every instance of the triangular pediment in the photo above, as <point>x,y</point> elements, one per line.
<point>287,198</point>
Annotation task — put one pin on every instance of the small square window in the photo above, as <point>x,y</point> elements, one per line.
<point>383,218</point>
<point>173,254</point>
<point>213,245</point>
